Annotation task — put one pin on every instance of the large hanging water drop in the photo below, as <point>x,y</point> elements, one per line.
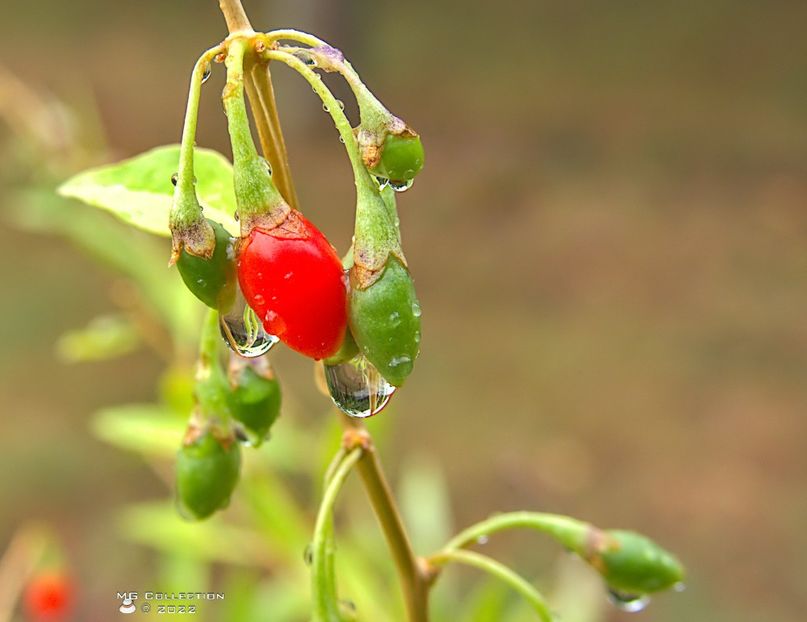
<point>632,603</point>
<point>243,331</point>
<point>357,388</point>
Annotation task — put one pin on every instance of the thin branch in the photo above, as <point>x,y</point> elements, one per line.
<point>500,571</point>
<point>235,16</point>
<point>410,570</point>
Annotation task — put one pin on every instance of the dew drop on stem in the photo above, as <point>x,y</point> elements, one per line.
<point>206,73</point>
<point>631,603</point>
<point>243,331</point>
<point>174,179</point>
<point>308,554</point>
<point>357,388</point>
<point>483,539</point>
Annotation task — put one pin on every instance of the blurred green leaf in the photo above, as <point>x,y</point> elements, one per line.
<point>147,429</point>
<point>425,503</point>
<point>139,190</point>
<point>105,337</point>
<point>158,525</point>
<point>486,602</point>
<point>132,254</point>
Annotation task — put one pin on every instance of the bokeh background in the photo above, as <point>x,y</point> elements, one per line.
<point>608,242</point>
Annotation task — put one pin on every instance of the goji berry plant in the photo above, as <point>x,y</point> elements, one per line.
<point>268,275</point>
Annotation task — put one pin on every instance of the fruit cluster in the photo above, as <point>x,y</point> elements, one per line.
<point>281,280</point>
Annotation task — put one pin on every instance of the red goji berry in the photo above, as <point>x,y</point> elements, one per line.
<point>292,278</point>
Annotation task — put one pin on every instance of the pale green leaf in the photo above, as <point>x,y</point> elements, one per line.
<point>139,190</point>
<point>105,337</point>
<point>159,526</point>
<point>148,429</point>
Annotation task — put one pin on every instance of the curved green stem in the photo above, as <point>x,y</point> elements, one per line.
<point>323,581</point>
<point>363,179</point>
<point>571,533</point>
<point>334,465</point>
<point>185,208</point>
<point>254,190</point>
<point>185,177</point>
<point>500,571</point>
<point>373,113</point>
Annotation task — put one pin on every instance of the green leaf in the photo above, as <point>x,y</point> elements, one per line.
<point>425,503</point>
<point>139,190</point>
<point>105,337</point>
<point>148,429</point>
<point>159,526</point>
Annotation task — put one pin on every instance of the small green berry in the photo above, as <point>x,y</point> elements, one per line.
<point>401,159</point>
<point>633,564</point>
<point>211,280</point>
<point>207,472</point>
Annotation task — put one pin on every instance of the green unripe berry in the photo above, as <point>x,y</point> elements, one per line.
<point>385,321</point>
<point>211,280</point>
<point>207,472</point>
<point>633,564</point>
<point>254,398</point>
<point>401,158</point>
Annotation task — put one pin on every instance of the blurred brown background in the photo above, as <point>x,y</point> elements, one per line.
<point>608,241</point>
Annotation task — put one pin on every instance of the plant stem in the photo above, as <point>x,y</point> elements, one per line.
<point>210,377</point>
<point>323,581</point>
<point>185,178</point>
<point>410,570</point>
<point>364,182</point>
<point>500,571</point>
<point>235,16</point>
<point>258,83</point>
<point>413,577</point>
<point>571,533</point>
<point>261,96</point>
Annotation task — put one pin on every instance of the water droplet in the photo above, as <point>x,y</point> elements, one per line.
<point>401,186</point>
<point>325,108</point>
<point>679,587</point>
<point>416,309</point>
<point>483,539</point>
<point>308,554</point>
<point>243,332</point>
<point>400,360</point>
<point>206,73</point>
<point>341,139</point>
<point>382,182</point>
<point>341,104</point>
<point>357,388</point>
<point>267,166</point>
<point>632,603</point>
<point>306,58</point>
<point>175,178</point>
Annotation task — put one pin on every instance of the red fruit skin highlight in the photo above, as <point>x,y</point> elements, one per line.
<point>293,279</point>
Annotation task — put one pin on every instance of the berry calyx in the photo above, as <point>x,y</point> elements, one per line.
<point>292,278</point>
<point>211,280</point>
